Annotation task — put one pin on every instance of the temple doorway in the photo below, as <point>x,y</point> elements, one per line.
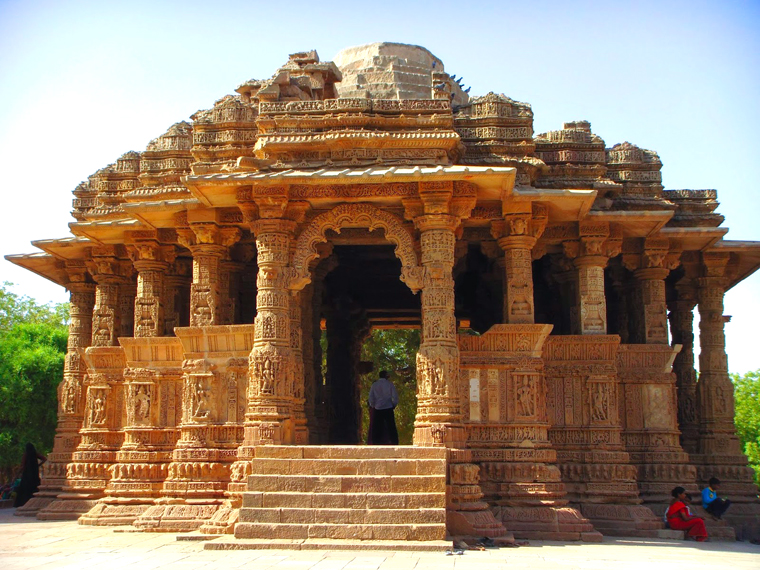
<point>367,318</point>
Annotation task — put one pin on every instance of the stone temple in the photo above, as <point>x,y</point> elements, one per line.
<point>552,276</point>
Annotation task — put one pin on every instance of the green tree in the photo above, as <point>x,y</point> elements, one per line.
<point>33,341</point>
<point>394,350</point>
<point>747,416</point>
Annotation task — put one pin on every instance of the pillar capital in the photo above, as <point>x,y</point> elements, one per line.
<point>437,221</point>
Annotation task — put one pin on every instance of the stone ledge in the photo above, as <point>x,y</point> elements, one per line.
<point>328,544</point>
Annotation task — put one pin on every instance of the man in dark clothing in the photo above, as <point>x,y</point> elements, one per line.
<point>383,399</point>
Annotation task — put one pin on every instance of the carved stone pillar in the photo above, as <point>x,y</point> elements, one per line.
<point>681,317</point>
<point>209,243</point>
<point>70,391</point>
<point>715,393</point>
<point>718,450</point>
<point>517,235</point>
<point>619,312</point>
<point>271,383</point>
<point>597,244</point>
<point>127,295</point>
<point>439,413</point>
<point>176,295</point>
<point>319,429</point>
<point>108,273</point>
<point>151,262</point>
<point>651,263</point>
<point>231,273</point>
<point>296,347</point>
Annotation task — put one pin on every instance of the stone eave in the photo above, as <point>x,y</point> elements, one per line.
<point>642,223</point>
<point>220,189</point>
<point>106,231</point>
<point>564,205</point>
<point>748,253</point>
<point>694,239</point>
<point>43,264</point>
<point>68,248</point>
<point>160,214</point>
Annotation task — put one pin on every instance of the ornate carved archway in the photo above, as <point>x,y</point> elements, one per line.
<point>356,215</point>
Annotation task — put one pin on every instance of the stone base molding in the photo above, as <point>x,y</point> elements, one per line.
<point>102,433</point>
<point>153,399</point>
<point>211,428</point>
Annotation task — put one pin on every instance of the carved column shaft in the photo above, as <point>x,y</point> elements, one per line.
<point>591,302</point>
<point>81,299</point>
<point>71,391</point>
<point>597,244</point>
<point>296,347</point>
<point>438,357</point>
<point>519,307</point>
<point>149,302</point>
<point>271,391</point>
<point>107,313</point>
<point>206,292</point>
<point>681,318</point>
<point>714,389</point>
<point>650,306</point>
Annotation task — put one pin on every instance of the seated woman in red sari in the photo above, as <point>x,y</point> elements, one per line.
<point>680,519</point>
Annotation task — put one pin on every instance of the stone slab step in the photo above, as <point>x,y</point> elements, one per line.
<point>327,544</point>
<point>343,516</point>
<point>344,500</point>
<point>348,466</point>
<point>349,452</point>
<point>348,483</point>
<point>401,532</point>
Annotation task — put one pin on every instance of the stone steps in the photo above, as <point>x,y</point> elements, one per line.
<point>363,493</point>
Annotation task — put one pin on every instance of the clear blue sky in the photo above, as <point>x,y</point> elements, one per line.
<point>83,82</point>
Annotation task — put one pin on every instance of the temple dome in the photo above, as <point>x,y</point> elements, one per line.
<point>387,70</point>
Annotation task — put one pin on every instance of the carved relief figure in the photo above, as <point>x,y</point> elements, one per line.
<point>526,397</point>
<point>69,397</point>
<point>142,404</point>
<point>200,398</point>
<point>98,413</point>
<point>600,403</point>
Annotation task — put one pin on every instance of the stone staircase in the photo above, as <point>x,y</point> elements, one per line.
<point>356,493</point>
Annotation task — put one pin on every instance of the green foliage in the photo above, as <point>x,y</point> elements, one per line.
<point>16,309</point>
<point>747,416</point>
<point>33,341</point>
<point>394,350</point>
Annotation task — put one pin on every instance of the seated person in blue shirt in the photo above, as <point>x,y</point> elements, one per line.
<point>710,500</point>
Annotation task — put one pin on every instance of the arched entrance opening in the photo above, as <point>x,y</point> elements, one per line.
<point>360,270</point>
<point>362,306</point>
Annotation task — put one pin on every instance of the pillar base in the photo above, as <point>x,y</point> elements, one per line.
<point>623,520</point>
<point>68,507</point>
<point>115,512</point>
<point>37,503</point>
<point>177,515</point>
<point>547,523</point>
<point>476,523</point>
<point>223,521</point>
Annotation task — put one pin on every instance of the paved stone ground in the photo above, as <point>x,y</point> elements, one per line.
<point>29,543</point>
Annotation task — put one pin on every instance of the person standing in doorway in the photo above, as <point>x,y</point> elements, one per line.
<point>383,399</point>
